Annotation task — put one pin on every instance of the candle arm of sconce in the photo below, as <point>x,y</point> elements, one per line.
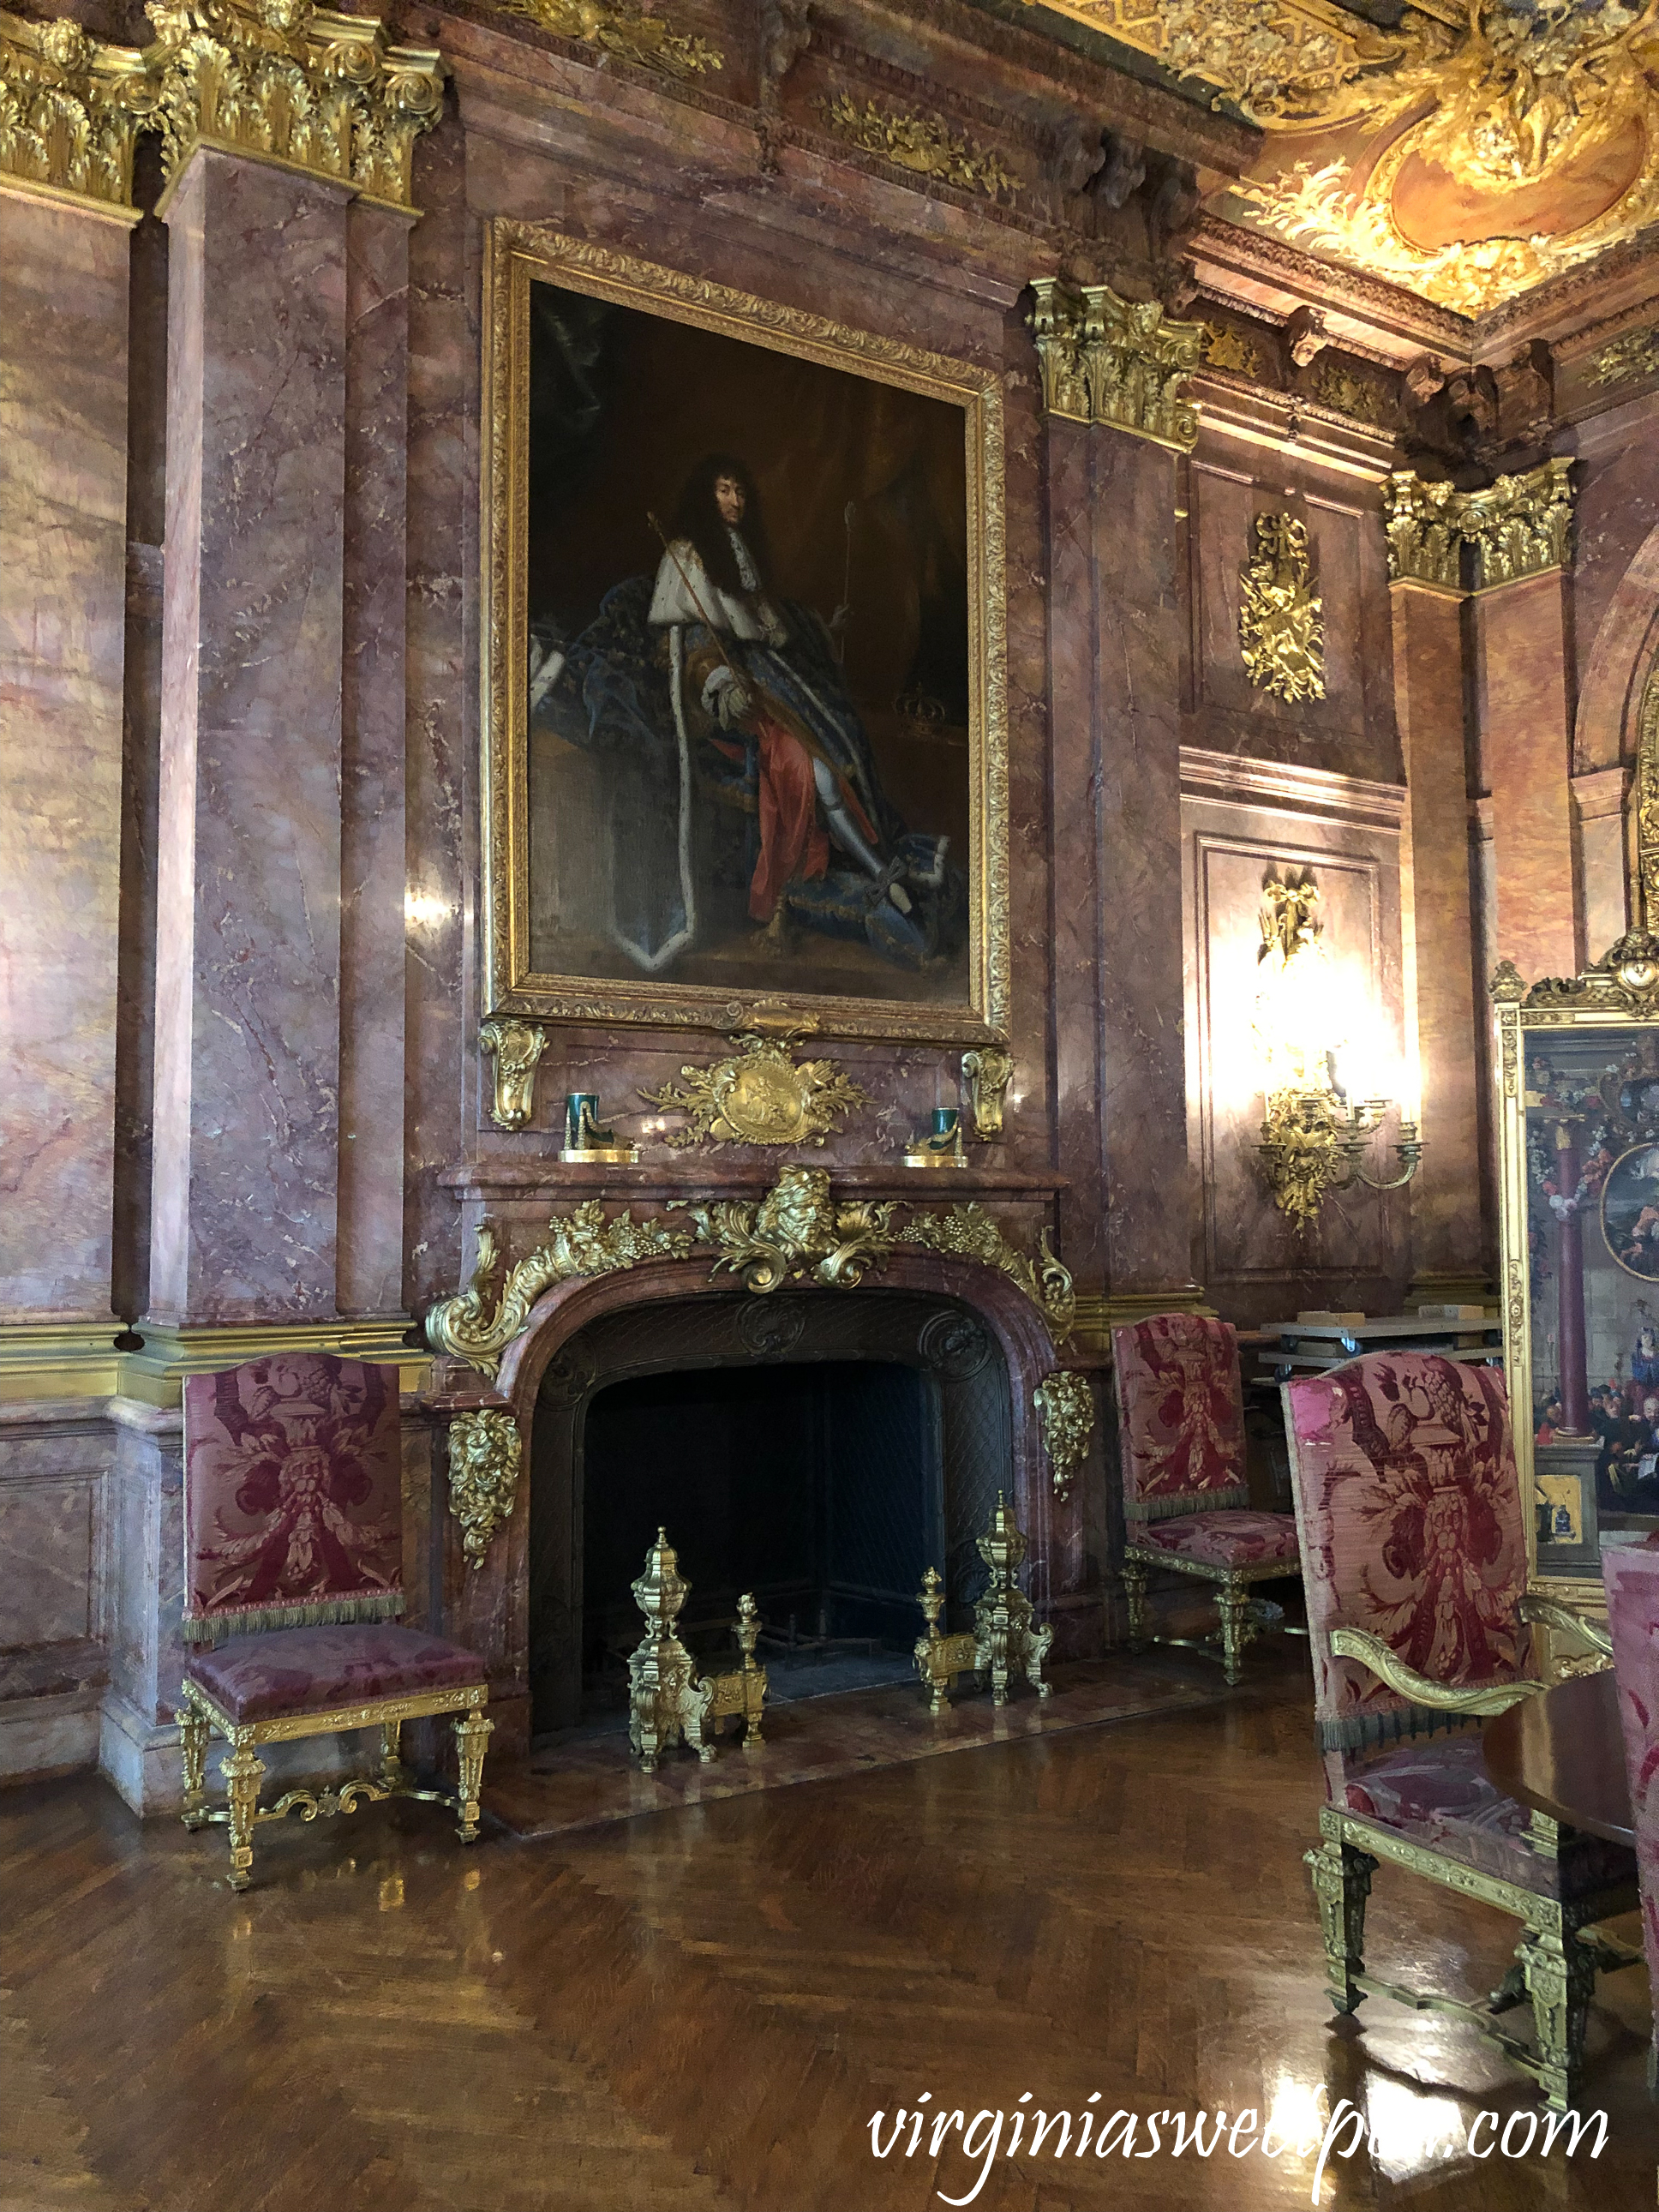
<point>1408,1151</point>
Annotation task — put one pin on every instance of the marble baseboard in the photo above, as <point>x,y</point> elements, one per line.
<point>46,1736</point>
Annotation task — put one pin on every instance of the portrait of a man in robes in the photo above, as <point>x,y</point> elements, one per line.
<point>754,740</point>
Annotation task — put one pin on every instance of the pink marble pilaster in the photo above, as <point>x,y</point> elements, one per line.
<point>369,1262</point>
<point>1526,741</point>
<point>1116,642</point>
<point>64,286</point>
<point>247,1028</point>
<point>1447,1236</point>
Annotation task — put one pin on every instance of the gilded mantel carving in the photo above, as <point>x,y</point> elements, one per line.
<point>70,111</point>
<point>761,1094</point>
<point>1122,362</point>
<point>799,1230</point>
<point>1519,527</point>
<point>280,80</point>
<point>320,92</point>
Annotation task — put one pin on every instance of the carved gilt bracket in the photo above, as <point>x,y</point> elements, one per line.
<point>1066,1406</point>
<point>515,1049</point>
<point>485,1452</point>
<point>987,1072</point>
<point>1122,362</point>
<point>798,1229</point>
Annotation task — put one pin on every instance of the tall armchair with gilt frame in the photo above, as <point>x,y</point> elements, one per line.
<point>1186,1502</point>
<point>1414,1562</point>
<point>293,1584</point>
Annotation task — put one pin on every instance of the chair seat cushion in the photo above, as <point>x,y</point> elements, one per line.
<point>298,1670</point>
<point>1226,1538</point>
<point>1439,1794</point>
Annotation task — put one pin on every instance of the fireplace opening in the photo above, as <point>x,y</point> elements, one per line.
<point>818,1449</point>
<point>819,1489</point>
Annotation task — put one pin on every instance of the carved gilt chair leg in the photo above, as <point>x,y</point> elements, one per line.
<point>472,1733</point>
<point>192,1747</point>
<point>243,1774</point>
<point>391,1766</point>
<point>1560,1977</point>
<point>1342,1882</point>
<point>1232,1602</point>
<point>1134,1596</point>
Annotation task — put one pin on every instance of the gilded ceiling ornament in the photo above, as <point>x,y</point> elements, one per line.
<point>1521,526</point>
<point>1281,629</point>
<point>327,93</point>
<point>799,1228</point>
<point>485,1452</point>
<point>70,110</point>
<point>1065,1405</point>
<point>616,27</point>
<point>1631,355</point>
<point>796,1228</point>
<point>1424,530</point>
<point>987,1071</point>
<point>761,1095</point>
<point>924,144</point>
<point>1225,348</point>
<point>1122,361</point>
<point>515,1049</point>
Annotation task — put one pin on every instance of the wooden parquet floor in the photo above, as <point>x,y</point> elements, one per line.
<point>702,2008</point>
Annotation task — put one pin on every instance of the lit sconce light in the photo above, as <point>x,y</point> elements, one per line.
<point>1324,1106</point>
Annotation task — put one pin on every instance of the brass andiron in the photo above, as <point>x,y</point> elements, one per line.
<point>1003,1640</point>
<point>584,1139</point>
<point>667,1702</point>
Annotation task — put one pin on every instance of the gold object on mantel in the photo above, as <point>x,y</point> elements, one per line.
<point>1003,1641</point>
<point>925,144</point>
<point>515,1049</point>
<point>485,1455</point>
<point>668,1701</point>
<point>760,1095</point>
<point>797,1226</point>
<point>71,110</point>
<point>1281,626</point>
<point>647,41</point>
<point>1065,1404</point>
<point>316,91</point>
<point>987,1072</point>
<point>1122,361</point>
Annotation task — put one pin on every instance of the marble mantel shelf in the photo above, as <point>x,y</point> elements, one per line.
<point>556,1181</point>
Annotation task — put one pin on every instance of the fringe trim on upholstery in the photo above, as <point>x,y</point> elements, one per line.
<point>1186,1501</point>
<point>1371,1731</point>
<point>325,1612</point>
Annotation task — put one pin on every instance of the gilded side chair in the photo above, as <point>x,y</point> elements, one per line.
<point>1186,1502</point>
<point>1631,1575</point>
<point>293,1586</point>
<point>1414,1563</point>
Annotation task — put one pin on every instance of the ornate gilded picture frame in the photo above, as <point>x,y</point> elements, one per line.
<point>1578,1153</point>
<point>744,704</point>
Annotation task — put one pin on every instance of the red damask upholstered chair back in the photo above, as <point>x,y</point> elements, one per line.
<point>293,1496</point>
<point>1631,1574</point>
<point>1181,1416</point>
<point>1408,1512</point>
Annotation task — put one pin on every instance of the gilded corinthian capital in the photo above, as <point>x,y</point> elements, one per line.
<point>1521,525</point>
<point>1425,526</point>
<point>1122,361</point>
<point>303,86</point>
<point>70,109</point>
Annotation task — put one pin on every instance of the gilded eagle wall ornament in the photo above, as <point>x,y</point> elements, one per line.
<point>760,1095</point>
<point>1281,623</point>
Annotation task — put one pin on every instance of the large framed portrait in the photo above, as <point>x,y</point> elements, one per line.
<point>743,685</point>
<point>1579,1145</point>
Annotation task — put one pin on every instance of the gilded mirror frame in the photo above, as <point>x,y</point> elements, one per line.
<point>520,253</point>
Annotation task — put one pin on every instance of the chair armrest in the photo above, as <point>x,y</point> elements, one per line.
<point>1480,1699</point>
<point>1541,1612</point>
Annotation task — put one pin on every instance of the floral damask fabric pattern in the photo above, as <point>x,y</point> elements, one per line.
<point>1240,1539</point>
<point>295,1670</point>
<point>1631,1575</point>
<point>1180,1405</point>
<point>1409,1509</point>
<point>293,1490</point>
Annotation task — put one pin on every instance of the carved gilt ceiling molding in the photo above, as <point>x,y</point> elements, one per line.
<point>1473,151</point>
<point>648,41</point>
<point>1122,361</point>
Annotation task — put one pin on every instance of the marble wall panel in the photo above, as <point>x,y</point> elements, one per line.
<point>1526,725</point>
<point>246,1130</point>
<point>1616,485</point>
<point>54,1461</point>
<point>1254,1265</point>
<point>62,581</point>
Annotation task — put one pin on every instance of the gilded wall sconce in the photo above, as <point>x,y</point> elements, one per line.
<point>1317,1126</point>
